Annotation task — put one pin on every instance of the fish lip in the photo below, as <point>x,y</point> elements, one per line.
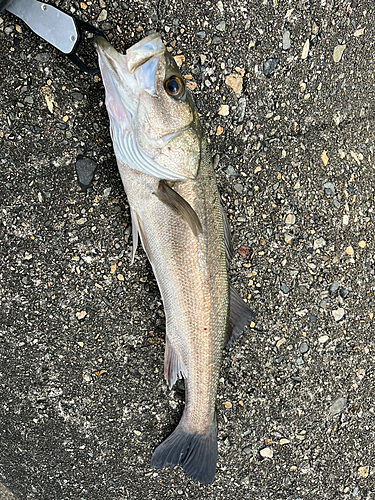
<point>102,44</point>
<point>133,58</point>
<point>109,56</point>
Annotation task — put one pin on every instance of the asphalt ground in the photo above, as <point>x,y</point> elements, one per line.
<point>285,92</point>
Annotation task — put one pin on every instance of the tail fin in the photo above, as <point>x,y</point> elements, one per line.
<point>196,453</point>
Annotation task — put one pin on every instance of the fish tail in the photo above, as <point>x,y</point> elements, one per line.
<point>196,453</point>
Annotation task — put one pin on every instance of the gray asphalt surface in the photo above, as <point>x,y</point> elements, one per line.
<point>285,91</point>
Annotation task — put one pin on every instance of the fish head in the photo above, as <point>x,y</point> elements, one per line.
<point>154,124</point>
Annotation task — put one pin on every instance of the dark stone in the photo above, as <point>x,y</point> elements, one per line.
<point>269,66</point>
<point>77,96</point>
<point>333,289</point>
<point>62,125</point>
<point>343,293</point>
<point>85,168</point>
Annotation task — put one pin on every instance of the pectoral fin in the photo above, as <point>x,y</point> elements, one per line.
<point>138,230</point>
<point>135,232</point>
<point>179,206</point>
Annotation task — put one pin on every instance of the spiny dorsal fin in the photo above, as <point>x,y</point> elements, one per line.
<point>179,206</point>
<point>227,236</point>
<point>240,317</point>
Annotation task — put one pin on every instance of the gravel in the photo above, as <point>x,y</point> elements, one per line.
<point>83,403</point>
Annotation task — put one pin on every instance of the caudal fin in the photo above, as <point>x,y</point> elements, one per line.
<point>196,453</point>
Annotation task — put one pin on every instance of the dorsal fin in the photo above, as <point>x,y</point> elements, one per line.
<point>227,236</point>
<point>240,317</point>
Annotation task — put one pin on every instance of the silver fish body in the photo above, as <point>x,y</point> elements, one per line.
<point>167,172</point>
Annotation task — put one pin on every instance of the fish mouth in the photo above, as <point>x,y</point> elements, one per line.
<point>139,62</point>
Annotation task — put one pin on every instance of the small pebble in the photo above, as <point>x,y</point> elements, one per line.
<point>364,471</point>
<point>324,158</point>
<point>313,318</point>
<point>77,96</point>
<point>231,171</point>
<point>221,26</point>
<point>319,243</point>
<point>43,57</point>
<point>234,81</point>
<point>247,450</point>
<point>81,314</point>
<point>305,50</point>
<point>266,453</point>
<point>102,16</point>
<point>287,482</point>
<point>338,406</point>
<point>239,115</point>
<point>286,40</point>
<point>337,53</point>
<point>290,219</point>
<point>224,110</point>
<point>333,288</point>
<point>284,289</point>
<point>300,361</point>
<point>338,314</point>
<point>329,189</point>
<point>269,66</point>
<point>284,441</point>
<point>304,347</point>
<point>343,293</point>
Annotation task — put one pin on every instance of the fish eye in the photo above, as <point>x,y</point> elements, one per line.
<point>175,87</point>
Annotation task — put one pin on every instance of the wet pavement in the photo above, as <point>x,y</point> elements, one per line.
<point>286,96</point>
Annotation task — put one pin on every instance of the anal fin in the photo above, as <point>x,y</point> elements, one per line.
<point>240,317</point>
<point>173,367</point>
